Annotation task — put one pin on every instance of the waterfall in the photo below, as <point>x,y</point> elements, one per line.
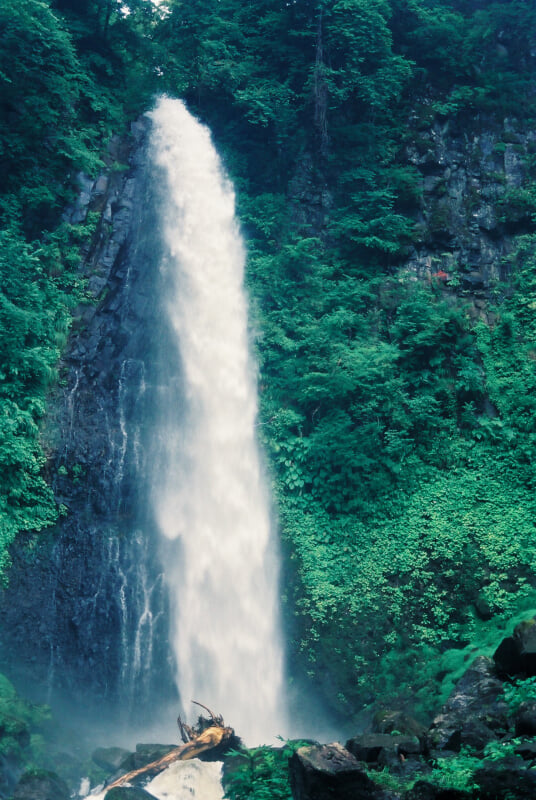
<point>210,501</point>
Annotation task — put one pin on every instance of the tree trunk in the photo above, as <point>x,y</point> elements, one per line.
<point>209,738</point>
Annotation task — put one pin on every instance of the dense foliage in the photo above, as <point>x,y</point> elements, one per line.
<point>398,426</point>
<point>259,773</point>
<point>399,429</point>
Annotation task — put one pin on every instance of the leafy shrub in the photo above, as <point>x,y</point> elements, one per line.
<point>20,723</point>
<point>519,692</point>
<point>260,773</point>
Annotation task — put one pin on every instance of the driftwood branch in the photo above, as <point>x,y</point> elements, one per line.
<point>210,733</point>
<point>218,720</point>
<point>187,732</point>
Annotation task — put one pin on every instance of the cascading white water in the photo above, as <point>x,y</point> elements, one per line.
<point>188,780</point>
<point>183,780</point>
<point>211,504</point>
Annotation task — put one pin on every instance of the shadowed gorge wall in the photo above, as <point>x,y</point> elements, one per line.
<point>85,611</point>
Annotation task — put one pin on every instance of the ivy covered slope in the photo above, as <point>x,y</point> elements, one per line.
<point>397,406</point>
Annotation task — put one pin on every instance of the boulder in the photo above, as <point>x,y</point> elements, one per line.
<point>423,790</point>
<point>392,721</point>
<point>329,772</point>
<point>41,785</point>
<point>516,655</point>
<point>506,781</point>
<point>110,758</point>
<point>370,747</point>
<point>145,754</point>
<point>474,280</point>
<point>525,720</point>
<point>527,751</point>
<point>475,712</point>
<point>128,793</point>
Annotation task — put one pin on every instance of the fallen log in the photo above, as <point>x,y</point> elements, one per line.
<point>214,735</point>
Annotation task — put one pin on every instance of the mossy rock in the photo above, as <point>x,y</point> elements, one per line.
<point>145,754</point>
<point>41,785</point>
<point>110,758</point>
<point>128,793</point>
<point>393,720</point>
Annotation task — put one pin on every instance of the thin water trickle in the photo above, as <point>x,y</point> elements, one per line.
<point>211,503</point>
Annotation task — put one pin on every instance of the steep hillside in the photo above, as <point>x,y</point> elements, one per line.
<point>385,161</point>
<point>384,158</point>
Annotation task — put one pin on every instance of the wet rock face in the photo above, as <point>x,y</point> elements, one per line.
<point>379,747</point>
<point>516,655</point>
<point>423,790</point>
<point>466,221</point>
<point>474,714</point>
<point>129,793</point>
<point>41,786</point>
<point>391,720</point>
<point>329,771</point>
<point>110,758</point>
<point>525,721</point>
<point>505,781</point>
<point>84,617</point>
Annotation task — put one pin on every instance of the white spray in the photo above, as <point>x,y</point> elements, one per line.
<point>211,504</point>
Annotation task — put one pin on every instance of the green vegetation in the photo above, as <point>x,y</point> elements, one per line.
<point>399,431</point>
<point>22,727</point>
<point>262,773</point>
<point>519,692</point>
<point>259,773</point>
<point>399,428</point>
<point>31,740</point>
<point>407,505</point>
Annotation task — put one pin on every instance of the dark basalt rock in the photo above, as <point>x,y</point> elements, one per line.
<point>504,782</point>
<point>371,747</point>
<point>147,753</point>
<point>144,754</point>
<point>516,655</point>
<point>388,721</point>
<point>128,793</point>
<point>41,785</point>
<point>527,751</point>
<point>74,619</point>
<point>329,772</point>
<point>423,790</point>
<point>110,758</point>
<point>463,231</point>
<point>474,714</point>
<point>525,720</point>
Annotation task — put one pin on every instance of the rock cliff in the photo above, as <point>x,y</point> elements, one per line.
<point>472,178</point>
<point>84,616</point>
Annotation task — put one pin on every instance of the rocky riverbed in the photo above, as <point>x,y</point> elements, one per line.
<point>482,744</point>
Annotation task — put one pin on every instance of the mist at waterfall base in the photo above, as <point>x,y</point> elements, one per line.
<point>213,513</point>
